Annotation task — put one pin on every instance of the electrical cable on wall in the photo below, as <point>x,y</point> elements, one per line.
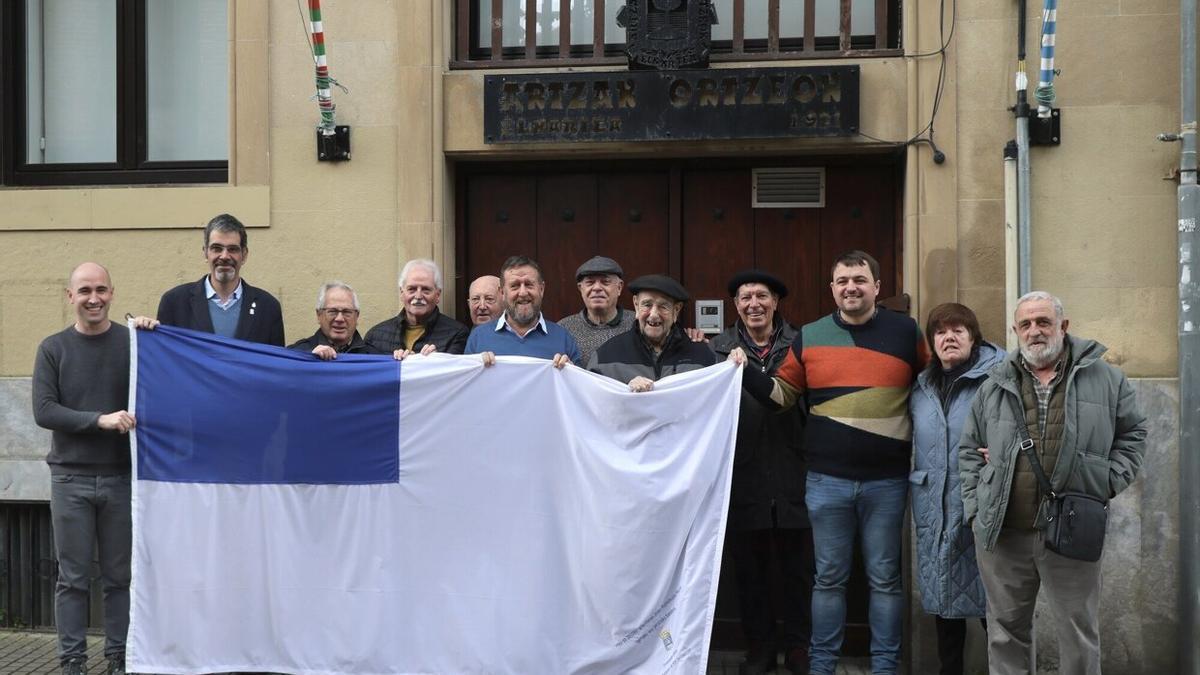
<point>925,135</point>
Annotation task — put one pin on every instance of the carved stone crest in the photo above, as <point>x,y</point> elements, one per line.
<point>667,34</point>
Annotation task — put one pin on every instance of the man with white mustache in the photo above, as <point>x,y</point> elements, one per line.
<point>522,330</point>
<point>222,302</point>
<point>419,327</point>
<point>1089,436</point>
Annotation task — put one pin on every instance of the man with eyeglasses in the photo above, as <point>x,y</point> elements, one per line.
<point>221,302</point>
<point>600,281</point>
<point>655,346</point>
<point>484,300</point>
<point>419,327</point>
<point>337,315</point>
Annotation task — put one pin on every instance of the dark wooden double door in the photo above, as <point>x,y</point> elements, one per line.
<point>692,222</point>
<point>696,224</point>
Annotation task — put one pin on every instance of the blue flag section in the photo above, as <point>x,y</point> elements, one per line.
<point>215,410</point>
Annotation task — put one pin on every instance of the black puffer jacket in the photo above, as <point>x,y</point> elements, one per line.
<point>627,356</point>
<point>768,464</point>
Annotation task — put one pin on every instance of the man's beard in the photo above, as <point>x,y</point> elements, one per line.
<point>1047,355</point>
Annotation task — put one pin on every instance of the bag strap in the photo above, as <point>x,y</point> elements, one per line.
<point>1027,448</point>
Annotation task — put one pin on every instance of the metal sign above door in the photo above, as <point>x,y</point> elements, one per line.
<point>674,105</point>
<point>667,34</point>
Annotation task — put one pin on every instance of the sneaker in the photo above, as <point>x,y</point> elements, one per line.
<point>74,667</point>
<point>116,666</point>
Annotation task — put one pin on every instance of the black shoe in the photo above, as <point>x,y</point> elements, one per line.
<point>757,662</point>
<point>116,666</point>
<point>796,661</point>
<point>74,667</point>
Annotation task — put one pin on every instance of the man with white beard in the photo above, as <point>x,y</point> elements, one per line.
<point>1076,414</point>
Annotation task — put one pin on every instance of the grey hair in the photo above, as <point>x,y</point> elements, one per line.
<point>1032,296</point>
<point>329,286</point>
<point>427,264</point>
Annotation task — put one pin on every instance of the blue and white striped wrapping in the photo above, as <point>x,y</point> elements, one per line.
<point>367,516</point>
<point>1045,90</point>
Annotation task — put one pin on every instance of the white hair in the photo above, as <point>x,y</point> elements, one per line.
<point>1043,296</point>
<point>329,286</point>
<point>427,264</point>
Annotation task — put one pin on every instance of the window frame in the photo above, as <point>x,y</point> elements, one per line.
<point>131,166</point>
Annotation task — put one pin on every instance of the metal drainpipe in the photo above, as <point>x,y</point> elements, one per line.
<point>1021,112</point>
<point>1010,243</point>
<point>1189,351</point>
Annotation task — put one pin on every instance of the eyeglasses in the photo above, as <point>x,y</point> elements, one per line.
<point>480,299</point>
<point>218,249</point>
<point>662,305</point>
<point>334,312</point>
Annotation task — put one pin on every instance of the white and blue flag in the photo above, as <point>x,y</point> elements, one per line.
<point>370,516</point>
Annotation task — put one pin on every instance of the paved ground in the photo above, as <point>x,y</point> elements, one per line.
<point>33,653</point>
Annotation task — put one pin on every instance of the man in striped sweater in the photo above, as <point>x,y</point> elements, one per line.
<point>854,369</point>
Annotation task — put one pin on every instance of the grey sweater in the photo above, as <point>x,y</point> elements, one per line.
<point>76,379</point>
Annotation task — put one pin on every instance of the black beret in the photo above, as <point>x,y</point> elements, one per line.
<point>662,284</point>
<point>757,277</point>
<point>599,265</point>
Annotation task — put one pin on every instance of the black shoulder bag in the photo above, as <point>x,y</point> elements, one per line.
<point>1075,521</point>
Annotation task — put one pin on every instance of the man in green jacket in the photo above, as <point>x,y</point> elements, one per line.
<point>1089,436</point>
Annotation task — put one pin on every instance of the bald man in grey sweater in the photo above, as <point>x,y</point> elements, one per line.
<point>80,391</point>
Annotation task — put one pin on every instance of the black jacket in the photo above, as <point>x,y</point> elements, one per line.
<point>627,356</point>
<point>260,319</point>
<point>768,464</point>
<point>448,335</point>
<point>356,346</point>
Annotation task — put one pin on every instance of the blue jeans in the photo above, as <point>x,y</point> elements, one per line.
<point>839,510</point>
<point>90,512</point>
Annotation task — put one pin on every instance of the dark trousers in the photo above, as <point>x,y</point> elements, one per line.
<point>951,643</point>
<point>756,555</point>
<point>90,512</point>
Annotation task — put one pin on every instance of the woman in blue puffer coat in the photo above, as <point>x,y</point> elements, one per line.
<point>946,571</point>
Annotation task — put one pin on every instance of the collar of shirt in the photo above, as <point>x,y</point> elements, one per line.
<point>616,320</point>
<point>502,324</point>
<point>211,293</point>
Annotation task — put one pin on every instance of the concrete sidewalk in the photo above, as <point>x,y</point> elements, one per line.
<point>34,653</point>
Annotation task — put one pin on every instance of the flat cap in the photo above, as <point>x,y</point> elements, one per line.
<point>599,265</point>
<point>662,284</point>
<point>757,277</point>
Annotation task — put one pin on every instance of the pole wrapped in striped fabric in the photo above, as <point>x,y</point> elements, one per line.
<point>1045,90</point>
<point>324,82</point>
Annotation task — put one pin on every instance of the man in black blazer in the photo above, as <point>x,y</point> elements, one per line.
<point>222,302</point>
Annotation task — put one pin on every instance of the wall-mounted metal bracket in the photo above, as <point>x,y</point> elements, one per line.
<point>335,147</point>
<point>1045,131</point>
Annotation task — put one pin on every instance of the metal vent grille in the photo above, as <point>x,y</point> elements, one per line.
<point>789,187</point>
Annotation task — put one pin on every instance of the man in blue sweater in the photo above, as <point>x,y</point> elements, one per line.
<point>522,330</point>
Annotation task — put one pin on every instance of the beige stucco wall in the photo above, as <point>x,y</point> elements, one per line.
<point>1103,215</point>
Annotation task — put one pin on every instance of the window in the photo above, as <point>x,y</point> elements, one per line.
<point>567,31</point>
<point>115,91</point>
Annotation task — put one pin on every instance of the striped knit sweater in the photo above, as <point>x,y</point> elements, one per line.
<point>855,381</point>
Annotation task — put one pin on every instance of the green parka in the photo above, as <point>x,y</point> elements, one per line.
<point>1104,437</point>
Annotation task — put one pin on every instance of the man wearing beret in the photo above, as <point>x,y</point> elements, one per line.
<point>600,281</point>
<point>655,346</point>
<point>768,522</point>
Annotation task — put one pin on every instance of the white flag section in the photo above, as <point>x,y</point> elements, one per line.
<point>434,516</point>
